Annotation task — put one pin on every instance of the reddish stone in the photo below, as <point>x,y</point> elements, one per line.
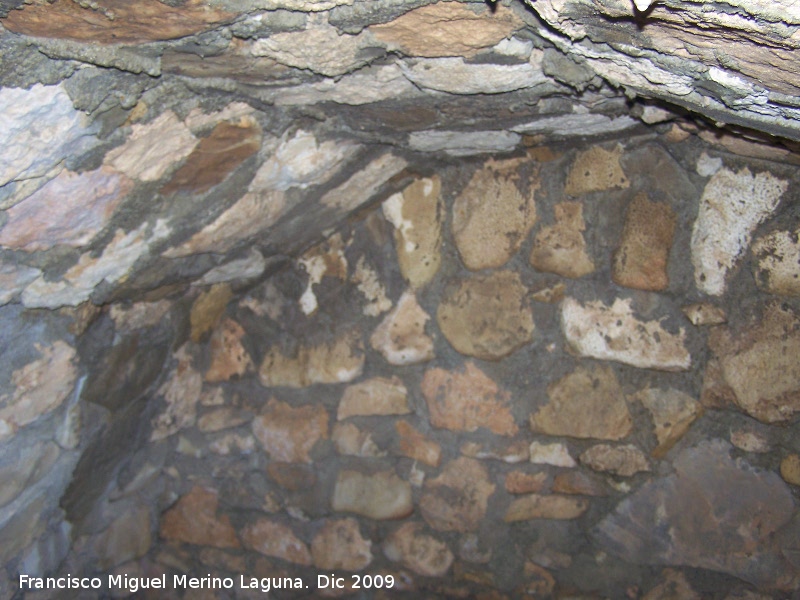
<point>417,446</point>
<point>288,434</point>
<point>457,499</point>
<point>275,539</point>
<point>194,520</point>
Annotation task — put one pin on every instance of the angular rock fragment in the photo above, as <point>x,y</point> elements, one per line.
<point>418,551</point>
<point>536,506</point>
<point>585,404</point>
<point>229,357</point>
<point>339,545</point>
<point>380,496</point>
<point>778,268</point>
<point>401,337</point>
<point>338,361</point>
<point>376,396</point>
<point>580,483</point>
<point>288,434</point>
<point>732,206</point>
<point>757,368</point>
<point>551,454</point>
<point>704,313</point>
<point>194,520</point>
<point>457,499</point>
<point>488,316</point>
<point>520,482</point>
<point>181,392</point>
<point>491,218</point>
<point>414,444</point>
<point>713,513</point>
<point>417,214</point>
<point>271,538</point>
<point>207,310</point>
<point>624,460</point>
<point>560,248</point>
<point>352,441</point>
<point>614,333</point>
<point>640,260</point>
<point>595,170</point>
<point>672,412</point>
<point>467,399</point>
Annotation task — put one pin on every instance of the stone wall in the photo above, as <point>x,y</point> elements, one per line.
<point>454,292</point>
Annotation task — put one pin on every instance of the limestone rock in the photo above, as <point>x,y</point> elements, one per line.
<point>382,495</point>
<point>418,551</point>
<point>215,157</point>
<point>672,412</point>
<point>181,392</point>
<point>456,76</point>
<point>352,441</point>
<point>364,183</point>
<point>640,260</point>
<point>40,387</point>
<point>207,309</point>
<point>580,483</point>
<point>417,214</point>
<point>111,267</point>
<point>585,404</point>
<point>757,368</point>
<point>457,499</point>
<point>14,279</point>
<point>464,143</point>
<point>228,356</point>
<point>118,22</point>
<point>486,316</point>
<point>467,399</point>
<point>250,266</point>
<point>520,482</point>
<point>323,260</point>
<point>491,218</point>
<point>551,454</point>
<point>712,513</point>
<point>70,209</point>
<point>447,29</point>
<point>705,313</point>
<point>320,48</point>
<point>338,361</point>
<point>339,545</point>
<point>153,148</point>
<point>245,219</point>
<point>614,333</point>
<point>369,284</point>
<point>24,467</point>
<point>536,506</point>
<point>271,538</point>
<point>732,206</point>
<point>750,441</point>
<point>138,315</point>
<point>376,396</point>
<point>778,268</point>
<point>560,248</point>
<point>128,537</point>
<point>624,460</point>
<point>511,452</point>
<point>233,442</point>
<point>39,128</point>
<point>401,337</point>
<point>301,160</point>
<point>596,170</point>
<point>293,477</point>
<point>193,519</point>
<point>416,445</point>
<point>288,434</point>
<point>790,469</point>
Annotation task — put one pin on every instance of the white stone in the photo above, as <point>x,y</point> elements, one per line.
<point>364,183</point>
<point>153,148</point>
<point>38,128</point>
<point>778,269</point>
<point>249,267</point>
<point>732,206</point>
<point>514,47</point>
<point>707,166</point>
<point>298,5</point>
<point>454,76</point>
<point>401,337</point>
<point>320,48</point>
<point>576,125</point>
<point>369,284</point>
<point>113,265</point>
<point>14,279</point>
<point>654,114</point>
<point>464,143</point>
<point>614,333</point>
<point>551,454</point>
<point>367,85</point>
<point>301,161</point>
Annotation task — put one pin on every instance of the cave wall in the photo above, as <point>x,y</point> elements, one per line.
<point>167,172</point>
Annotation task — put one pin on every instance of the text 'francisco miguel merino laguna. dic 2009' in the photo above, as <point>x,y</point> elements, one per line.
<point>134,584</point>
